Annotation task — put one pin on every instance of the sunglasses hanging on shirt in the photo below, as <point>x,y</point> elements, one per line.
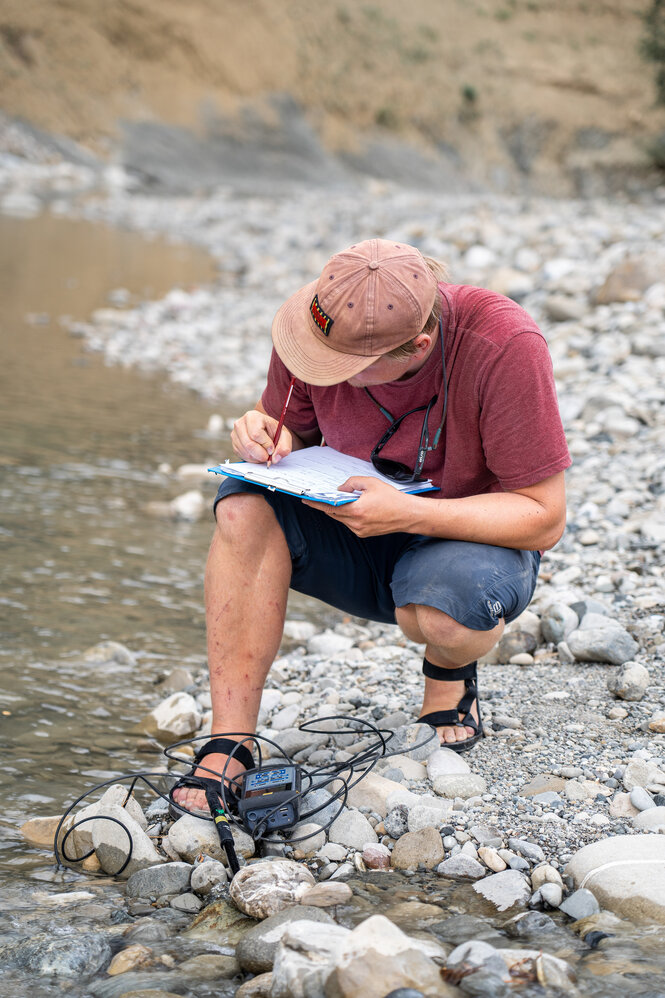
<point>396,470</point>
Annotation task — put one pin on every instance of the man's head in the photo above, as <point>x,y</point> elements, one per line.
<point>369,301</point>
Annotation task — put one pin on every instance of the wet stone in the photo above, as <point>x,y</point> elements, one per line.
<point>74,956</point>
<point>504,889</point>
<point>155,881</point>
<point>264,888</point>
<point>256,950</point>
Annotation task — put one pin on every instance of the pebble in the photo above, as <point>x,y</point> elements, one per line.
<point>461,867</point>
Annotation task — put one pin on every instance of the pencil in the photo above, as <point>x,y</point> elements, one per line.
<point>280,422</point>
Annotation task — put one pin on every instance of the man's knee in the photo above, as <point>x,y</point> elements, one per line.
<point>434,626</point>
<point>244,517</point>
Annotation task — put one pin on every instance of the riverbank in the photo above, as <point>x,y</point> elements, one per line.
<point>568,762</point>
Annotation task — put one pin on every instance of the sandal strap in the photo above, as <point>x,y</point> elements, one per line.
<point>442,674</point>
<point>226,746</point>
<point>439,717</point>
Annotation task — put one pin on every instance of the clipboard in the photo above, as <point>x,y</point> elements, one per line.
<point>314,473</point>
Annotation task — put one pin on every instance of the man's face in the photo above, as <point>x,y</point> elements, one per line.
<point>383,370</point>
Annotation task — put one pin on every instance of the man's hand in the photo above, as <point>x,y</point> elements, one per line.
<point>381,509</point>
<point>252,438</point>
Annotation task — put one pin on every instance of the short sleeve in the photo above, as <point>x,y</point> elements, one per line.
<point>300,415</point>
<point>520,425</point>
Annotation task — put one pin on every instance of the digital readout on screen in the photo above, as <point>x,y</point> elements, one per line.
<point>272,788</point>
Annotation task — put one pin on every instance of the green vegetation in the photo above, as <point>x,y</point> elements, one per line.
<point>653,44</point>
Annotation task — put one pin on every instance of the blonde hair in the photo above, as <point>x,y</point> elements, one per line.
<point>407,349</point>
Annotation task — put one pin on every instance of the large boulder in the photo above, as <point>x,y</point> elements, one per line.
<point>626,874</point>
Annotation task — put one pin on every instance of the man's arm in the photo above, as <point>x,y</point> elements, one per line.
<point>530,519</point>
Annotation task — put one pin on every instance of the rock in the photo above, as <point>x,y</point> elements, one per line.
<point>264,888</point>
<point>551,894</point>
<point>426,816</point>
<point>257,987</point>
<point>353,830</point>
<point>372,792</point>
<point>307,838</point>
<point>630,682</point>
<point>129,959</point>
<point>626,874</point>
<point>40,832</point>
<point>651,820</point>
<point>190,836</point>
<point>527,849</point>
<point>445,762</point>
<point>175,718</point>
<point>418,741</point>
<point>80,955</point>
<point>219,920</point>
<point>640,799</point>
<point>327,895</point>
<point>328,644</point>
<point>600,639</point>
<point>636,774</point>
<point>376,857</point>
<point>580,904</point>
<point>621,807</point>
<point>514,643</point>
<point>209,967</point>
<point>505,889</point>
<point>113,836</point>
<point>186,902</point>
<point>629,280</point>
<point>304,958</point>
<point>80,841</point>
<point>562,308</point>
<point>396,821</point>
<point>109,653</point>
<point>542,783</point>
<point>491,859</point>
<point>207,875</point>
<point>545,874</point>
<point>177,680</point>
<point>156,881</point>
<point>418,848</point>
<point>465,786</point>
<point>377,957</point>
<point>461,867</point>
<point>656,723</point>
<point>477,954</point>
<point>574,790</point>
<point>256,950</point>
<point>299,630</point>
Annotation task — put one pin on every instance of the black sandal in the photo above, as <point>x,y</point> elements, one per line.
<point>437,718</point>
<point>226,746</point>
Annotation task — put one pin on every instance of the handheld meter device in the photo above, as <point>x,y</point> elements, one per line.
<point>270,794</point>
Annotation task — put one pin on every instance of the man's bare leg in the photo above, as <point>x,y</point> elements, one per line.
<point>246,587</point>
<point>449,645</point>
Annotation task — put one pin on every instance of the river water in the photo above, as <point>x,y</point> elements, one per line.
<point>83,451</point>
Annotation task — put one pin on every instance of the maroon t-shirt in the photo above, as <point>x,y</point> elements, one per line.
<point>503,429</point>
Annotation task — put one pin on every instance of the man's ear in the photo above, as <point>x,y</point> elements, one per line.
<point>422,342</point>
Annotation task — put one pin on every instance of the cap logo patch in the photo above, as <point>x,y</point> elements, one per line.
<point>323,321</point>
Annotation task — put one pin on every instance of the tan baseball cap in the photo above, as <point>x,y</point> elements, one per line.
<point>370,298</point>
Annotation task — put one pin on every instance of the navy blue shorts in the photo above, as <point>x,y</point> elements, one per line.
<point>475,584</point>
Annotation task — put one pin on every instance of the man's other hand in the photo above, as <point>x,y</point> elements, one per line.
<point>381,509</point>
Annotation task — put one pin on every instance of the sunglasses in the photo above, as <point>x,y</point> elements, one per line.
<point>396,470</point>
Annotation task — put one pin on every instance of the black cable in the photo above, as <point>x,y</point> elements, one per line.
<point>356,769</point>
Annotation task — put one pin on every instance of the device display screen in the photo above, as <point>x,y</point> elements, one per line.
<point>269,788</point>
<point>270,781</point>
